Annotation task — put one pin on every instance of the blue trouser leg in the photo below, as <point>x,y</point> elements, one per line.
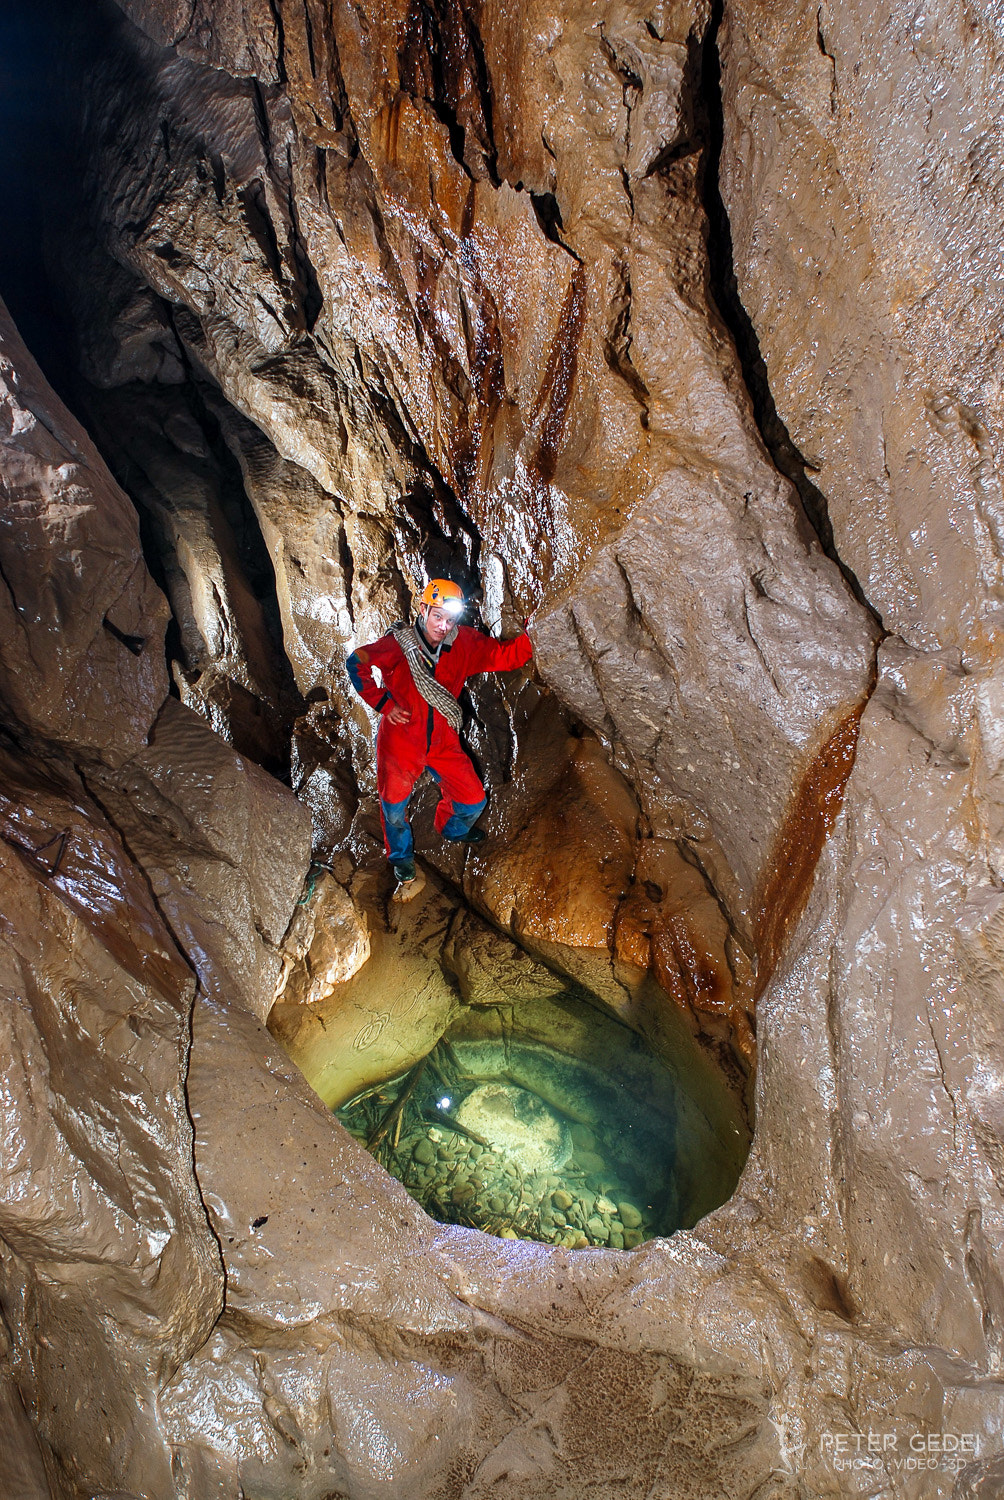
<point>463,818</point>
<point>397,831</point>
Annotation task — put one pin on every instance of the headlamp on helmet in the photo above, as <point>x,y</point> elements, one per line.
<point>442,593</point>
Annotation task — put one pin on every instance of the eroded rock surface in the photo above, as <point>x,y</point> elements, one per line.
<point>433,285</point>
<point>83,626</point>
<point>326,943</point>
<point>441,344</point>
<point>138,870</point>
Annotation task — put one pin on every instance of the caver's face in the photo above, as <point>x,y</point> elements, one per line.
<point>438,623</point>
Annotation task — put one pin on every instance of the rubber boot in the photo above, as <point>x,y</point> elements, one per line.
<point>410,881</point>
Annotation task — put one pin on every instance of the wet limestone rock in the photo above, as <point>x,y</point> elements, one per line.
<point>138,865</point>
<point>875,337</point>
<point>326,943</point>
<point>492,970</point>
<point>224,846</point>
<point>390,1012</point>
<point>20,1456</point>
<point>500,335</point>
<point>82,624</point>
<point>585,884</point>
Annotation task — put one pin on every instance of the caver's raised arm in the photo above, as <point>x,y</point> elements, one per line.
<point>485,654</point>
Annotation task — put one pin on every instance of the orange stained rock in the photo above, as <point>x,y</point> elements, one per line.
<point>671,926</point>
<point>681,953</point>
<point>813,812</point>
<point>564,873</point>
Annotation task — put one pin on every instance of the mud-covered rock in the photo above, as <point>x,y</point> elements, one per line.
<point>454,291</point>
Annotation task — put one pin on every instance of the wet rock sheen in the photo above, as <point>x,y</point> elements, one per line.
<point>677,332</point>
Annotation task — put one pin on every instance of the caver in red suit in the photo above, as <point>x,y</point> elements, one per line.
<point>426,738</point>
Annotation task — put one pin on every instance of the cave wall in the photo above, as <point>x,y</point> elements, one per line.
<point>888,118</point>
<point>447,294</point>
<point>452,282</point>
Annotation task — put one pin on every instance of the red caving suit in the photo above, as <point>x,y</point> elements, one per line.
<point>404,750</point>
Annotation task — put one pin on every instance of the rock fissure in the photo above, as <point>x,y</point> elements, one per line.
<point>759,649</point>
<point>87,781</point>
<point>607,727</point>
<point>944,1081</point>
<point>617,348</point>
<point>275,9</point>
<point>724,288</point>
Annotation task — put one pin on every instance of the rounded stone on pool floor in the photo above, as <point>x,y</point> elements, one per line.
<point>630,1216</point>
<point>562,1199</point>
<point>424,1152</point>
<point>517,1121</point>
<point>589,1161</point>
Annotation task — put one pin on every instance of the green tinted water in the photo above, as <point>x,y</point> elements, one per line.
<point>556,1123</point>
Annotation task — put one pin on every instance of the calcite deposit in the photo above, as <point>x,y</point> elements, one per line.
<point>677,332</point>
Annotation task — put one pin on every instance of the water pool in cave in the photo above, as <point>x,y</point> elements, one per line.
<point>586,1139</point>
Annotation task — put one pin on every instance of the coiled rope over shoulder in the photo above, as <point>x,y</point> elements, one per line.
<point>434,693</point>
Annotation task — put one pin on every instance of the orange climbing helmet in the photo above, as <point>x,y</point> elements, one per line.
<point>444,594</point>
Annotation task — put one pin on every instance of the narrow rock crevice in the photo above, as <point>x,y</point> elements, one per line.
<point>448,539</point>
<point>724,288</point>
<point>441,61</point>
<point>190,1114</point>
<point>617,347</point>
<point>482,76</point>
<point>137,863</point>
<point>607,731</point>
<point>311,295</point>
<point>275,7</point>
<point>548,212</point>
